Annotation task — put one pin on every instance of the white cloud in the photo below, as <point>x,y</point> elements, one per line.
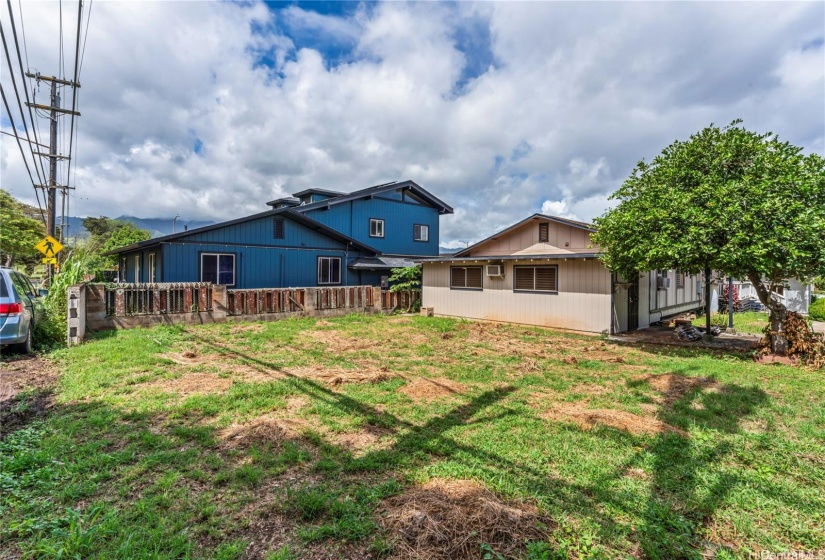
<point>572,97</point>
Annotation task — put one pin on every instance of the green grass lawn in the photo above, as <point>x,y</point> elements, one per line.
<point>750,322</point>
<point>363,437</point>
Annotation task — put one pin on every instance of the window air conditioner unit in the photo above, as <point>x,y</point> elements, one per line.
<point>662,283</point>
<point>495,270</point>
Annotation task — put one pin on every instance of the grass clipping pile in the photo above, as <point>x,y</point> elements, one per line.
<point>453,519</point>
<point>803,343</point>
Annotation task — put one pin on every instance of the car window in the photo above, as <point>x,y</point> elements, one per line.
<point>4,291</point>
<point>21,285</point>
<point>32,290</point>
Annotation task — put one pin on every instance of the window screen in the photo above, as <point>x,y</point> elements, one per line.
<point>536,279</point>
<point>544,233</point>
<point>329,270</point>
<point>376,228</point>
<point>468,277</point>
<point>218,268</point>
<point>279,228</point>
<point>421,232</point>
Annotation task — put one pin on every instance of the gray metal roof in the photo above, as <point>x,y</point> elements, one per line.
<point>493,258</point>
<point>327,192</point>
<point>288,212</point>
<point>416,189</point>
<point>380,262</point>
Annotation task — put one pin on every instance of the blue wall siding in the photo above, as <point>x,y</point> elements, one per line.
<point>261,232</point>
<point>255,267</point>
<point>129,275</point>
<point>353,219</point>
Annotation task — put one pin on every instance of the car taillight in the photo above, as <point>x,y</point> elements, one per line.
<point>11,308</point>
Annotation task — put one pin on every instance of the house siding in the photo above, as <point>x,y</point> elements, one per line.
<point>352,218</point>
<point>583,301</point>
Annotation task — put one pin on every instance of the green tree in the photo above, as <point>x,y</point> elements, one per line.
<point>122,236</point>
<point>108,234</point>
<point>745,204</point>
<point>18,233</point>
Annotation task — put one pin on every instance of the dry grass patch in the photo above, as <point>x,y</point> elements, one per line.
<point>339,376</point>
<point>429,389</point>
<point>451,520</point>
<point>588,418</point>
<point>192,383</point>
<point>672,386</point>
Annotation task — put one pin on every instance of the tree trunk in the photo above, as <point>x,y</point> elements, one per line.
<point>9,260</point>
<point>708,335</point>
<point>779,345</point>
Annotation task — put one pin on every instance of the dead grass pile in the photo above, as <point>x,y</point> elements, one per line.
<point>260,432</point>
<point>339,376</point>
<point>429,389</point>
<point>452,519</point>
<point>803,342</point>
<point>588,418</point>
<point>673,386</point>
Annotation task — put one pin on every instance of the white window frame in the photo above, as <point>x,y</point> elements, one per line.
<point>152,267</point>
<point>379,227</point>
<point>218,267</point>
<point>137,268</point>
<point>423,229</point>
<point>340,271</point>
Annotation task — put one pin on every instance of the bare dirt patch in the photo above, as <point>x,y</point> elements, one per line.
<point>672,386</point>
<point>588,418</point>
<point>452,519</point>
<point>20,373</point>
<point>429,389</point>
<point>371,438</point>
<point>17,375</point>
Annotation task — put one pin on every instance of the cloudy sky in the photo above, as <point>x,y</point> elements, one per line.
<point>210,109</point>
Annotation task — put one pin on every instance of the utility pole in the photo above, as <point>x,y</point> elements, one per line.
<point>51,187</point>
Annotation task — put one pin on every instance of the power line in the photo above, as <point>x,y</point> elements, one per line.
<point>74,90</point>
<point>85,36</point>
<point>22,77</point>
<point>17,95</point>
<point>25,161</point>
<point>23,139</point>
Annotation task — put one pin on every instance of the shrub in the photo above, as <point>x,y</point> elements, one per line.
<point>817,309</point>
<point>52,330</point>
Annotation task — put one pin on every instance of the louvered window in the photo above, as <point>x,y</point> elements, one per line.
<point>544,233</point>
<point>536,279</point>
<point>466,277</point>
<point>279,228</point>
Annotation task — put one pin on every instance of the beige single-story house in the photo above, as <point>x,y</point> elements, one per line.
<point>545,271</point>
<point>796,294</point>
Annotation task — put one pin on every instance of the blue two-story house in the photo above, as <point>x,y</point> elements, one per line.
<point>317,237</point>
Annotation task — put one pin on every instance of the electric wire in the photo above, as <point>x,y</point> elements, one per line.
<point>22,152</point>
<point>25,89</point>
<point>19,104</point>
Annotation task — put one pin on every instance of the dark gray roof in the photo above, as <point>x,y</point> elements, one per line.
<point>380,262</point>
<point>317,191</point>
<point>287,200</point>
<point>416,189</point>
<point>510,257</point>
<point>287,212</point>
<point>564,221</point>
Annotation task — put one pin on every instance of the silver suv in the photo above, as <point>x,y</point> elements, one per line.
<point>21,307</point>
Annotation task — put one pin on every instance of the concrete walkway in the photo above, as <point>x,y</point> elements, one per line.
<point>818,326</point>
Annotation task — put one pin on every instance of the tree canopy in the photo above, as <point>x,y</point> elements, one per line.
<point>728,199</point>
<point>108,234</point>
<point>18,232</point>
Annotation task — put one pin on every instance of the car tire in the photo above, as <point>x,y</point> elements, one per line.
<point>26,347</point>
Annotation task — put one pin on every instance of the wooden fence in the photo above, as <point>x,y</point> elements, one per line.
<point>125,300</point>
